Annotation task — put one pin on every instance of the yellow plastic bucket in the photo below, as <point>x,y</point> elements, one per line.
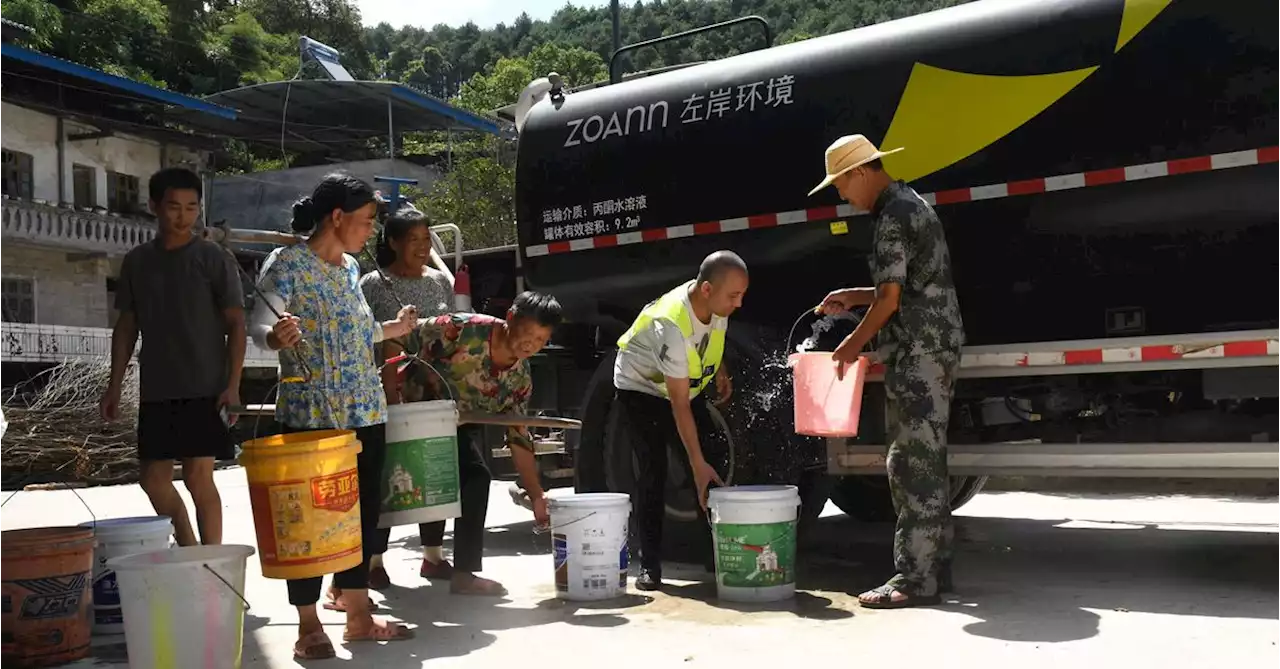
<point>305,493</point>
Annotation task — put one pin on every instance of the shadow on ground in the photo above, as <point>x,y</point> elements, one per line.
<point>1044,580</point>
<point>1020,580</point>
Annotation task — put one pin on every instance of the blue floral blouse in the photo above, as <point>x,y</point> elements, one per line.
<point>338,329</point>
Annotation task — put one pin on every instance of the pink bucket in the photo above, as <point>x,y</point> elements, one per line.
<point>826,405</point>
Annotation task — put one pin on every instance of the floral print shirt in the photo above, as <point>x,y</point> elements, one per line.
<point>338,330</point>
<point>459,347</point>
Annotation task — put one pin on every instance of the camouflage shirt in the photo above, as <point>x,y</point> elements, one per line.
<point>910,250</point>
<point>458,346</point>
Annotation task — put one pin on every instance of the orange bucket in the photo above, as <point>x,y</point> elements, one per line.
<point>826,405</point>
<point>305,492</point>
<point>47,587</point>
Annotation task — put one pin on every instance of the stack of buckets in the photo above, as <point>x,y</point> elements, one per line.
<point>119,575</point>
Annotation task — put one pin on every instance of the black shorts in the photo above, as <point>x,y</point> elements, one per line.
<point>181,429</point>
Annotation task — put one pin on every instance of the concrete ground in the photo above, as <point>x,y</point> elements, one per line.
<point>1043,580</point>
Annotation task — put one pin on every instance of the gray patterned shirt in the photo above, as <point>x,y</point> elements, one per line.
<point>910,249</point>
<point>430,293</point>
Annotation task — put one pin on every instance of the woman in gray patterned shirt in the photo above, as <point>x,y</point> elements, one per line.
<point>404,254</point>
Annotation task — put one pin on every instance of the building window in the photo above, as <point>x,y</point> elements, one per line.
<point>84,181</point>
<point>122,193</point>
<point>18,298</point>
<point>18,174</point>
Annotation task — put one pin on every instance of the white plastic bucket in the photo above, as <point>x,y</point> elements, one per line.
<point>754,530</point>
<point>589,537</point>
<point>184,607</point>
<point>420,477</point>
<point>116,537</point>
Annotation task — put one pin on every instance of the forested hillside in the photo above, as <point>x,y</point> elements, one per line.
<point>199,46</point>
<point>203,46</point>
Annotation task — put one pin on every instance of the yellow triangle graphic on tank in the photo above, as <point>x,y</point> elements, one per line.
<point>945,116</point>
<point>1137,14</point>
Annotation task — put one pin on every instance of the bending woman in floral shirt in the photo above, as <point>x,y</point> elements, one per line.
<point>486,362</point>
<point>314,286</point>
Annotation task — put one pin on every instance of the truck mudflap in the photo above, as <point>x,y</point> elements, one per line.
<point>1249,348</point>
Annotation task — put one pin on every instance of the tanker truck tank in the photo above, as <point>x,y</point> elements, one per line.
<point>1106,174</point>
<point>1087,157</point>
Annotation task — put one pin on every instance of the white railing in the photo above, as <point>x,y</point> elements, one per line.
<point>26,342</point>
<point>71,229</point>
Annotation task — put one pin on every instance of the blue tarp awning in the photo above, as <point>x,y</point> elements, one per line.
<point>35,59</point>
<point>312,115</point>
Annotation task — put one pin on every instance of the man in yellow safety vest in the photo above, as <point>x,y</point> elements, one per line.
<point>671,354</point>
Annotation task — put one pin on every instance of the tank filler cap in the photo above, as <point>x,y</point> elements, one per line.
<point>532,94</point>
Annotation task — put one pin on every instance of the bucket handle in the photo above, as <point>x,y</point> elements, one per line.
<point>549,528</point>
<point>229,586</point>
<point>66,486</point>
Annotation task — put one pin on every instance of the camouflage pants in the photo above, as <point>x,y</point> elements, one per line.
<point>918,389</point>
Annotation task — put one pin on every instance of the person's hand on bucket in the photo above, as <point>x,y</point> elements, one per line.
<point>703,476</point>
<point>541,515</point>
<point>846,354</point>
<point>840,301</point>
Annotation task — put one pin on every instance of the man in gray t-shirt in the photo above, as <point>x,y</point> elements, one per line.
<point>184,296</point>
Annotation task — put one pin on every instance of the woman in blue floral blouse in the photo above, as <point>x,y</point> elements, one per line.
<point>315,288</point>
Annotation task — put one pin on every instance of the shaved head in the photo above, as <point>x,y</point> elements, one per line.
<point>722,282</point>
<point>718,265</point>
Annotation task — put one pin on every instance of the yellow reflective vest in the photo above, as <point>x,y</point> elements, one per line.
<point>673,307</point>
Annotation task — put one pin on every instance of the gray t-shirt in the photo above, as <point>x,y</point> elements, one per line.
<point>658,351</point>
<point>430,293</point>
<point>179,297</point>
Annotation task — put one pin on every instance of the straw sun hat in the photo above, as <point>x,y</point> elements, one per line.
<point>847,153</point>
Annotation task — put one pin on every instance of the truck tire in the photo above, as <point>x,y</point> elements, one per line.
<point>866,498</point>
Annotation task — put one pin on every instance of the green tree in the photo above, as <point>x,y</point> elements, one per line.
<point>42,17</point>
<point>500,87</point>
<point>126,37</point>
<point>479,197</point>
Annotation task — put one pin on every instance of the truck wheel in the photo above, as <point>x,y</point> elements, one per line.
<point>589,471</point>
<point>866,498</point>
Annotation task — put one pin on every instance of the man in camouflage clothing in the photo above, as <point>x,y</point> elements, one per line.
<point>915,310</point>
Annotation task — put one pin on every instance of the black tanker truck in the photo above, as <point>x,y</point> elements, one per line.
<point>1106,172</point>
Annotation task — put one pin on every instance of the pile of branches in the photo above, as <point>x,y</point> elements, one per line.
<point>55,432</point>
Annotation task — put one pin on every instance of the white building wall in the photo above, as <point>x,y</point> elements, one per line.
<point>66,292</point>
<point>36,133</point>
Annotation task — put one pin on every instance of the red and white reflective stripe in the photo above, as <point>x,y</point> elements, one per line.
<point>1220,161</point>
<point>1150,353</point>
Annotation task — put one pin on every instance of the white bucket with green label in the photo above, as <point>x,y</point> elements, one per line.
<point>420,475</point>
<point>754,529</point>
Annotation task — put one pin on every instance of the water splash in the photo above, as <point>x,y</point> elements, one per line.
<point>823,325</point>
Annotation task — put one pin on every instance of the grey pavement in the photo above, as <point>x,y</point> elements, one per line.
<point>1043,580</point>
